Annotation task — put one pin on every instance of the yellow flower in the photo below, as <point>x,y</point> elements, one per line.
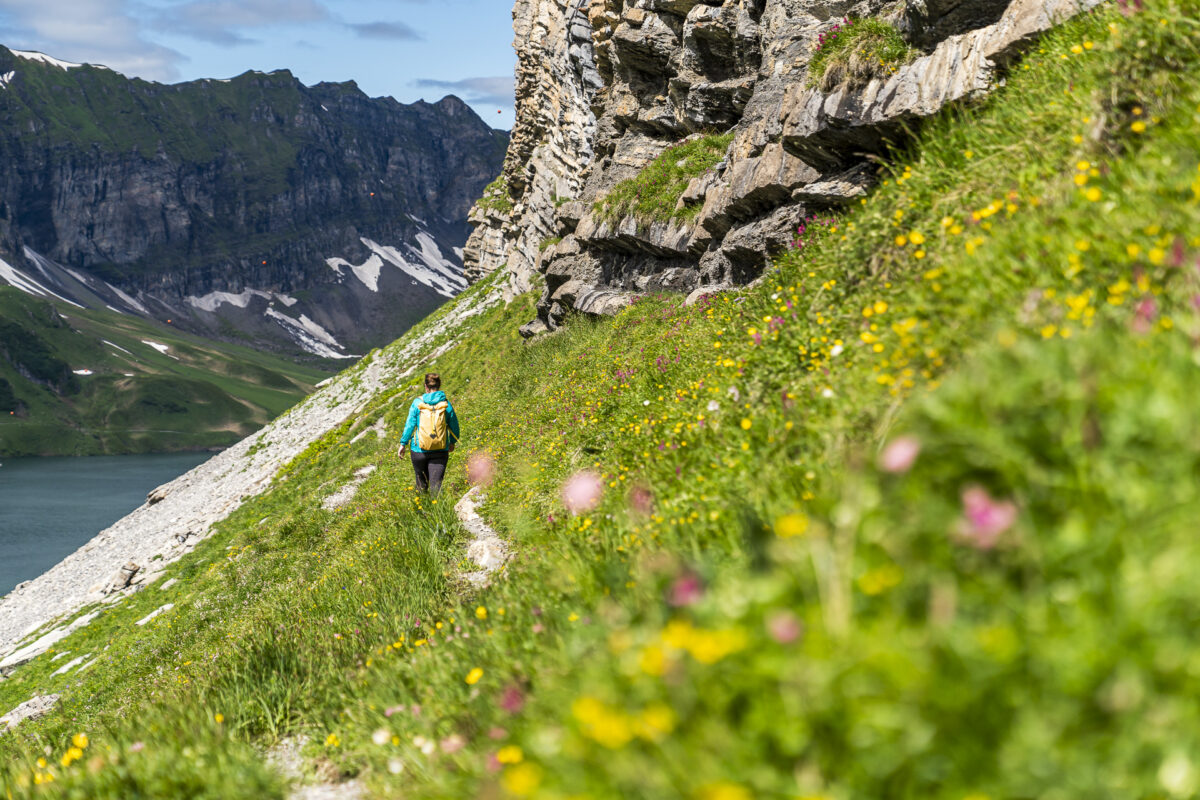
<point>80,740</point>
<point>791,525</point>
<point>607,725</point>
<point>655,722</point>
<point>746,423</point>
<point>919,254</point>
<point>916,237</point>
<point>880,306</point>
<point>481,613</point>
<point>219,718</point>
<point>522,780</point>
<point>473,676</point>
<point>1083,166</point>
<point>653,661</point>
<point>332,740</point>
<point>1138,126</point>
<point>901,240</point>
<point>969,154</point>
<point>724,790</point>
<point>510,755</point>
<point>1093,194</point>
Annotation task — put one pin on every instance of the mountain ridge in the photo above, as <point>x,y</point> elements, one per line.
<point>175,191</point>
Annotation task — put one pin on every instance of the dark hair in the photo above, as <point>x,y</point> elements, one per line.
<point>433,381</point>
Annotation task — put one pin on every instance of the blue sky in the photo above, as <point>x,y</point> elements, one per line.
<point>408,49</point>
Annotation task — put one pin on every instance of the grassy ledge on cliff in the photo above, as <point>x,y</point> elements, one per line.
<point>913,518</point>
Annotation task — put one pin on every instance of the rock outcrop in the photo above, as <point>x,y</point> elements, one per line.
<point>659,72</point>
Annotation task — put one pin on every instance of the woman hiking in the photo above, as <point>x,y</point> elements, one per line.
<point>432,419</point>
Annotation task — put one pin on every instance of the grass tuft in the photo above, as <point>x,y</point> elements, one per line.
<point>857,51</point>
<point>653,194</point>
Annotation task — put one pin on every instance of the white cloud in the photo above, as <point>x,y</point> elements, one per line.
<point>496,91</point>
<point>224,21</point>
<point>384,30</point>
<point>93,31</point>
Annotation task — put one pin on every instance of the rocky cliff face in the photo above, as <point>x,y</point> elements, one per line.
<point>255,207</point>
<point>670,71</point>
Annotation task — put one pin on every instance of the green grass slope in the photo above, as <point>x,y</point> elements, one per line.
<point>914,518</point>
<point>198,394</point>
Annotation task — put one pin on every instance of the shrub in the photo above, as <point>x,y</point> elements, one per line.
<point>855,51</point>
<point>495,196</point>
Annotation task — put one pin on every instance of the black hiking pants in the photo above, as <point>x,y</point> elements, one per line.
<point>430,469</point>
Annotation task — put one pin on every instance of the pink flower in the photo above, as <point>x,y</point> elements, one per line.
<point>686,590</point>
<point>481,469</point>
<point>496,734</point>
<point>513,700</point>
<point>900,454</point>
<point>137,747</point>
<point>784,627</point>
<point>641,501</point>
<point>1144,315</point>
<point>453,743</point>
<point>538,627</point>
<point>984,518</point>
<point>582,491</point>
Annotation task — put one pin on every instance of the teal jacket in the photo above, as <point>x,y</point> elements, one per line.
<point>414,417</point>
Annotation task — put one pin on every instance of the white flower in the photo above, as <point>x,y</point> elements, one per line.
<point>714,406</point>
<point>827,392</point>
<point>735,394</point>
<point>381,737</point>
<point>836,351</point>
<point>424,745</point>
<point>395,766</point>
<point>645,402</point>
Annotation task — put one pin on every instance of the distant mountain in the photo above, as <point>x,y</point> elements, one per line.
<point>302,219</point>
<point>88,381</point>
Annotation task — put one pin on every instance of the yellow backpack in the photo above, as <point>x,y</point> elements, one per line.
<point>432,431</point>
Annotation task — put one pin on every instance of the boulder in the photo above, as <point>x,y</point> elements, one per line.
<point>121,579</point>
<point>30,709</point>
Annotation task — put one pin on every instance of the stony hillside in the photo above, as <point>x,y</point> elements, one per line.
<point>912,516</point>
<point>306,219</point>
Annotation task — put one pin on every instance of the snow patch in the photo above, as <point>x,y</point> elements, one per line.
<point>214,300</point>
<point>14,277</point>
<point>110,344</point>
<point>83,372</point>
<point>367,272</point>
<point>6,78</point>
<point>127,300</point>
<point>287,301</point>
<point>162,348</point>
<point>31,55</point>
<point>309,335</point>
<point>423,262</point>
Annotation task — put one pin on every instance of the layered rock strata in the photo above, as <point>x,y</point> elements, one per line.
<point>671,70</point>
<point>551,144</point>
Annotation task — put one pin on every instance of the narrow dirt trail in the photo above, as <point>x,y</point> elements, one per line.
<point>489,553</point>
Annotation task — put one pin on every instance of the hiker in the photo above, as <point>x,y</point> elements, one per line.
<point>432,419</point>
